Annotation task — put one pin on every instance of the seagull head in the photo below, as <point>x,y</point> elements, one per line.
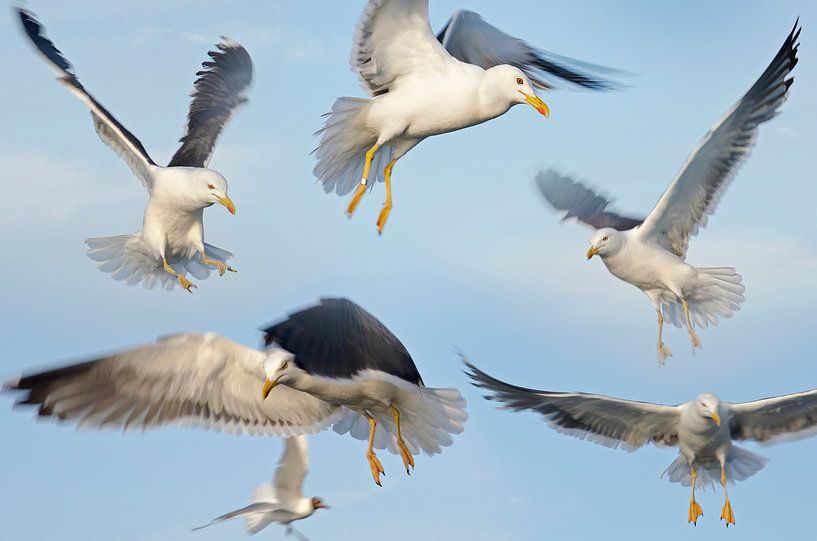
<point>211,188</point>
<point>515,87</point>
<point>709,406</point>
<point>604,242</point>
<point>279,367</point>
<point>317,503</point>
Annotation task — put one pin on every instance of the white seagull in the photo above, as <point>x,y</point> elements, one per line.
<point>702,429</point>
<point>337,366</point>
<point>282,500</point>
<point>424,85</point>
<point>171,243</point>
<point>650,253</point>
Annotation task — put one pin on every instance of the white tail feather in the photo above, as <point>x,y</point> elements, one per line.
<point>341,152</point>
<point>740,465</point>
<point>718,294</point>
<point>130,259</point>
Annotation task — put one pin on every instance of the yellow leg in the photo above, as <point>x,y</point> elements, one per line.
<point>726,514</point>
<point>384,213</point>
<point>696,342</point>
<point>184,282</point>
<point>405,454</point>
<point>361,188</point>
<point>374,463</point>
<point>694,509</point>
<point>663,351</point>
<point>220,265</point>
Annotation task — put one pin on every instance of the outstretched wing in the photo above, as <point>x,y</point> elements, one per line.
<point>112,133</point>
<point>196,379</point>
<point>580,202</point>
<point>337,338</point>
<point>220,89</point>
<point>469,38</point>
<point>292,468</point>
<point>781,418</point>
<point>607,421</point>
<point>694,193</point>
<point>393,40</point>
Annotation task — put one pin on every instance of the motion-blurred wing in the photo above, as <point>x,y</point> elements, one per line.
<point>292,468</point>
<point>780,418</point>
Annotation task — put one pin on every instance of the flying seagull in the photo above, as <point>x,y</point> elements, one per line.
<point>650,252</point>
<point>337,365</point>
<point>282,500</point>
<point>339,353</point>
<point>702,429</point>
<point>423,86</point>
<point>171,243</point>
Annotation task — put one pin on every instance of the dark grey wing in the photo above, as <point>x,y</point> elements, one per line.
<point>697,188</point>
<point>580,202</point>
<point>607,421</point>
<point>218,91</point>
<point>338,339</point>
<point>780,418</point>
<point>469,38</point>
<point>112,133</point>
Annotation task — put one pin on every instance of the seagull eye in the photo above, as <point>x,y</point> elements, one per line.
<point>520,81</point>
<point>211,187</point>
<point>605,238</point>
<point>284,365</point>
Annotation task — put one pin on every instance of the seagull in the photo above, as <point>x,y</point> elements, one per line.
<point>282,500</point>
<point>422,85</point>
<point>337,365</point>
<point>650,252</point>
<point>171,243</point>
<point>340,354</point>
<point>702,429</point>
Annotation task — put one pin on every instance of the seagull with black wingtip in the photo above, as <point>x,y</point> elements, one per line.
<point>171,243</point>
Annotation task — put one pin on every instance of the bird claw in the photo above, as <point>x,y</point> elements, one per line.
<point>223,267</point>
<point>695,512</point>
<point>376,467</point>
<point>727,514</point>
<point>381,219</point>
<point>696,342</point>
<point>405,454</point>
<point>186,284</point>
<point>663,353</point>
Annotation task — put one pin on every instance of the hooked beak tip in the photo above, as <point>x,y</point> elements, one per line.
<point>537,103</point>
<point>716,418</point>
<point>269,385</point>
<point>591,252</point>
<point>228,204</point>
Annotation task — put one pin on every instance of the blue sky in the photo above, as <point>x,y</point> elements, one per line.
<point>471,259</point>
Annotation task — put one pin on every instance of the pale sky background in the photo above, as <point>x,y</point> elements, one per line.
<point>471,259</point>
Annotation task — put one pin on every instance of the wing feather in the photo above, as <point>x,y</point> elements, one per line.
<point>192,379</point>
<point>292,468</point>
<point>779,418</point>
<point>697,188</point>
<point>607,421</point>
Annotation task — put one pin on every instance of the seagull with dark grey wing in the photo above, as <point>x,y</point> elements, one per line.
<point>341,354</point>
<point>171,243</point>
<point>282,500</point>
<point>703,429</point>
<point>331,364</point>
<point>650,253</point>
<point>422,85</point>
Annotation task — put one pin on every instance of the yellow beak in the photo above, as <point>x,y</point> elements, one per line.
<point>269,385</point>
<point>715,418</point>
<point>227,203</point>
<point>591,252</point>
<point>537,104</point>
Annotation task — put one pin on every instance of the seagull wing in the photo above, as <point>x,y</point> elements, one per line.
<point>600,419</point>
<point>694,193</point>
<point>195,379</point>
<point>220,89</point>
<point>780,418</point>
<point>112,133</point>
<point>469,38</point>
<point>580,202</point>
<point>292,468</point>
<point>337,338</point>
<point>393,40</point>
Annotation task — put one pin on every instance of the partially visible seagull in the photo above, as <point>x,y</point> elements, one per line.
<point>650,253</point>
<point>702,429</point>
<point>336,364</point>
<point>424,85</point>
<point>282,500</point>
<point>171,243</point>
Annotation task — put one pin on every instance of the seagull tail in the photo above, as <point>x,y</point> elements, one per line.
<point>128,258</point>
<point>718,294</point>
<point>740,465</point>
<point>341,152</point>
